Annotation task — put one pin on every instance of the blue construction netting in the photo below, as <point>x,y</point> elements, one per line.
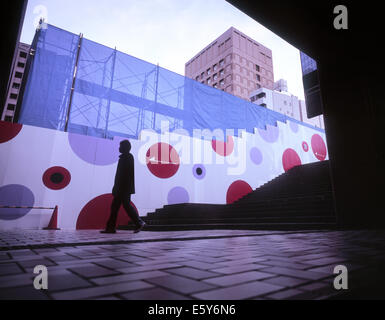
<point>116,94</point>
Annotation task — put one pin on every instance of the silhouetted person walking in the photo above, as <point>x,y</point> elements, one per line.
<point>123,188</point>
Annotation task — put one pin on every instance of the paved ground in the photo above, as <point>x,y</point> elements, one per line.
<point>217,264</point>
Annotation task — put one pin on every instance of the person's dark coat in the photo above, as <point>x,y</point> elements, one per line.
<point>124,178</point>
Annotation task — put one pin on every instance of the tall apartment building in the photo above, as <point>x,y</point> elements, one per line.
<point>283,102</point>
<point>16,76</point>
<point>234,63</point>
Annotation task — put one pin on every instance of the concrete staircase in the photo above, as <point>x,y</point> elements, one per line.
<point>298,199</point>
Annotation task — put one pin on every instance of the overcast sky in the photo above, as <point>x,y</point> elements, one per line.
<point>168,32</point>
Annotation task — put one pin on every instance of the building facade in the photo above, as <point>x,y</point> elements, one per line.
<point>17,75</point>
<point>283,102</point>
<point>234,63</point>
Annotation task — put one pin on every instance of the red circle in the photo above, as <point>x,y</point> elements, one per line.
<point>290,159</point>
<point>237,190</point>
<point>319,147</point>
<point>9,130</point>
<point>162,160</point>
<point>61,172</point>
<point>96,212</point>
<point>305,146</point>
<point>223,148</point>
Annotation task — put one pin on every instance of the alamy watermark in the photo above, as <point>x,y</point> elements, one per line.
<point>341,20</point>
<point>341,280</point>
<point>40,282</point>
<point>196,148</point>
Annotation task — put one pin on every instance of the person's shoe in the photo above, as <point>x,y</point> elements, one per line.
<point>108,231</point>
<point>142,225</point>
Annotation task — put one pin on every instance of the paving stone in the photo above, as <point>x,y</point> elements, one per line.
<point>62,257</point>
<point>91,271</point>
<point>307,266</point>
<point>242,291</point>
<point>107,298</point>
<point>131,258</point>
<point>65,281</point>
<point>149,267</point>
<point>129,277</point>
<point>9,268</point>
<point>197,264</point>
<point>154,294</point>
<point>35,262</point>
<point>23,293</point>
<point>180,284</point>
<point>287,281</point>
<point>285,294</point>
<point>237,268</point>
<point>238,278</point>
<point>291,265</point>
<point>326,261</point>
<point>303,274</point>
<point>192,273</point>
<point>18,280</point>
<point>114,264</point>
<point>101,290</point>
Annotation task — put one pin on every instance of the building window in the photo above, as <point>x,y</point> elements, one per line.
<point>8,118</point>
<point>18,75</point>
<point>11,106</point>
<point>23,54</point>
<point>222,72</point>
<point>258,86</point>
<point>208,71</point>
<point>222,83</point>
<point>208,80</point>
<point>215,67</point>
<point>252,99</point>
<point>257,68</point>
<point>16,85</point>
<point>215,77</point>
<point>21,64</point>
<point>13,96</point>
<point>263,105</point>
<point>203,82</point>
<point>221,63</point>
<point>202,75</point>
<point>261,95</point>
<point>215,85</point>
<point>197,78</point>
<point>258,77</point>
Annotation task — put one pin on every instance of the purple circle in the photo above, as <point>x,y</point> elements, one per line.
<point>178,195</point>
<point>94,150</point>
<point>256,155</point>
<point>15,195</point>
<point>199,171</point>
<point>270,134</point>
<point>293,126</point>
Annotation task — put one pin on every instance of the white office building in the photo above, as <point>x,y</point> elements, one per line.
<point>283,102</point>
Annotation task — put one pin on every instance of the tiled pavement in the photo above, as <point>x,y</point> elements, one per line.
<point>209,264</point>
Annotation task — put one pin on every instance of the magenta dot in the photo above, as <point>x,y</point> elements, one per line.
<point>94,150</point>
<point>290,159</point>
<point>270,134</point>
<point>15,195</point>
<point>256,155</point>
<point>178,195</point>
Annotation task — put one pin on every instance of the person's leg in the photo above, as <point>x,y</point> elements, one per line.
<point>115,205</point>
<point>131,212</point>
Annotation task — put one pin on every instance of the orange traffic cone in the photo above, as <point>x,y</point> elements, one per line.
<point>53,222</point>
